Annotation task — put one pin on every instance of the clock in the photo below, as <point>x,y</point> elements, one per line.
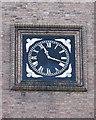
<point>48,57</point>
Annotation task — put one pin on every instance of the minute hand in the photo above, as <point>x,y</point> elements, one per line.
<point>55,59</point>
<point>46,52</point>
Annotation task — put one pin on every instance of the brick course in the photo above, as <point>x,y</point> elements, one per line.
<point>47,104</point>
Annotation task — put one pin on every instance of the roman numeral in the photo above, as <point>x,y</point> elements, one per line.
<point>48,71</point>
<point>49,44</point>
<point>34,57</point>
<point>63,58</point>
<point>35,51</point>
<point>41,46</point>
<point>40,69</point>
<point>35,63</point>
<point>61,64</point>
<point>61,51</point>
<point>56,69</point>
<point>56,46</point>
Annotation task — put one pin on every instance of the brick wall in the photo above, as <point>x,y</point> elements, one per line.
<point>94,58</point>
<point>47,104</point>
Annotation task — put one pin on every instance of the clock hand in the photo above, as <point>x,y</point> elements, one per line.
<point>46,52</point>
<point>55,59</point>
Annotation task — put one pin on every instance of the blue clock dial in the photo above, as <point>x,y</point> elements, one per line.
<point>48,58</point>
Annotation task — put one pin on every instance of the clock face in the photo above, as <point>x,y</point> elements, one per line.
<point>48,58</point>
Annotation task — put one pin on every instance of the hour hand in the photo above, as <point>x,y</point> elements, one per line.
<point>42,47</point>
<point>45,51</point>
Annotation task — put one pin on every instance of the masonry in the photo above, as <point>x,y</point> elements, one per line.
<point>16,104</point>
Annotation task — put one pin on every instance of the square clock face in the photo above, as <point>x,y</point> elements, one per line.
<point>46,57</point>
